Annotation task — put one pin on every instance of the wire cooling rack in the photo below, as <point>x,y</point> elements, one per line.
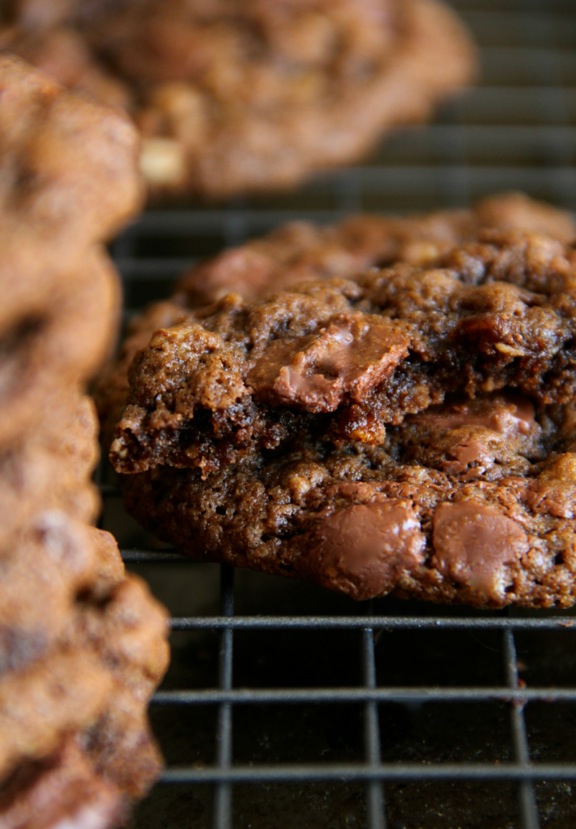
<point>287,707</point>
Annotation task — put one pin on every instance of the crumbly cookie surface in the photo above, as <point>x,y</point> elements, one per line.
<point>404,429</point>
<point>487,522</point>
<point>235,97</point>
<point>352,355</point>
<point>301,250</point>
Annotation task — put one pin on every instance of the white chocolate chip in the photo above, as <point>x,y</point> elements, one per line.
<point>162,161</point>
<point>510,350</point>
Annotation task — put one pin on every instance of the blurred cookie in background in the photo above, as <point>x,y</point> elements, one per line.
<point>241,97</point>
<point>83,644</point>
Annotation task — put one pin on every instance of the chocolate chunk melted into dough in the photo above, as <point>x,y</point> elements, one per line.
<point>479,546</point>
<point>368,547</point>
<point>350,356</point>
<point>471,438</point>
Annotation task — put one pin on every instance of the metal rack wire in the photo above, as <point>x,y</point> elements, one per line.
<point>285,706</point>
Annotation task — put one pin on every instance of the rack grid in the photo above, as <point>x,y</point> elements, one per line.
<point>285,706</point>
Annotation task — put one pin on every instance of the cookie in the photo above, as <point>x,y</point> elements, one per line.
<point>234,98</point>
<point>94,674</point>
<point>50,556</point>
<point>302,250</point>
<point>127,629</point>
<point>52,467</point>
<point>70,164</point>
<point>406,429</point>
<point>131,641</point>
<point>69,179</point>
<point>54,341</point>
<point>82,644</point>
<point>65,790</point>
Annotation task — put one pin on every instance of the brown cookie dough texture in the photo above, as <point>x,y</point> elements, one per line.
<point>300,250</point>
<point>74,706</point>
<point>82,644</point>
<point>400,424</point>
<point>52,467</point>
<point>68,182</point>
<point>237,97</point>
<point>82,647</point>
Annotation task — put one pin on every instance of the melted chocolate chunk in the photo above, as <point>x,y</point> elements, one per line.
<point>345,359</point>
<point>477,545</point>
<point>366,548</point>
<point>485,437</point>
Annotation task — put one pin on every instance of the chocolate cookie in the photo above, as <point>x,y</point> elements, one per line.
<point>70,164</point>
<point>406,429</point>
<point>302,250</point>
<point>128,629</point>
<point>49,556</point>
<point>236,97</point>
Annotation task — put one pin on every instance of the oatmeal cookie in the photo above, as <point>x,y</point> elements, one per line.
<point>69,179</point>
<point>56,340</point>
<point>88,678</point>
<point>405,429</point>
<point>52,467</point>
<point>64,789</point>
<point>70,164</point>
<point>239,97</point>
